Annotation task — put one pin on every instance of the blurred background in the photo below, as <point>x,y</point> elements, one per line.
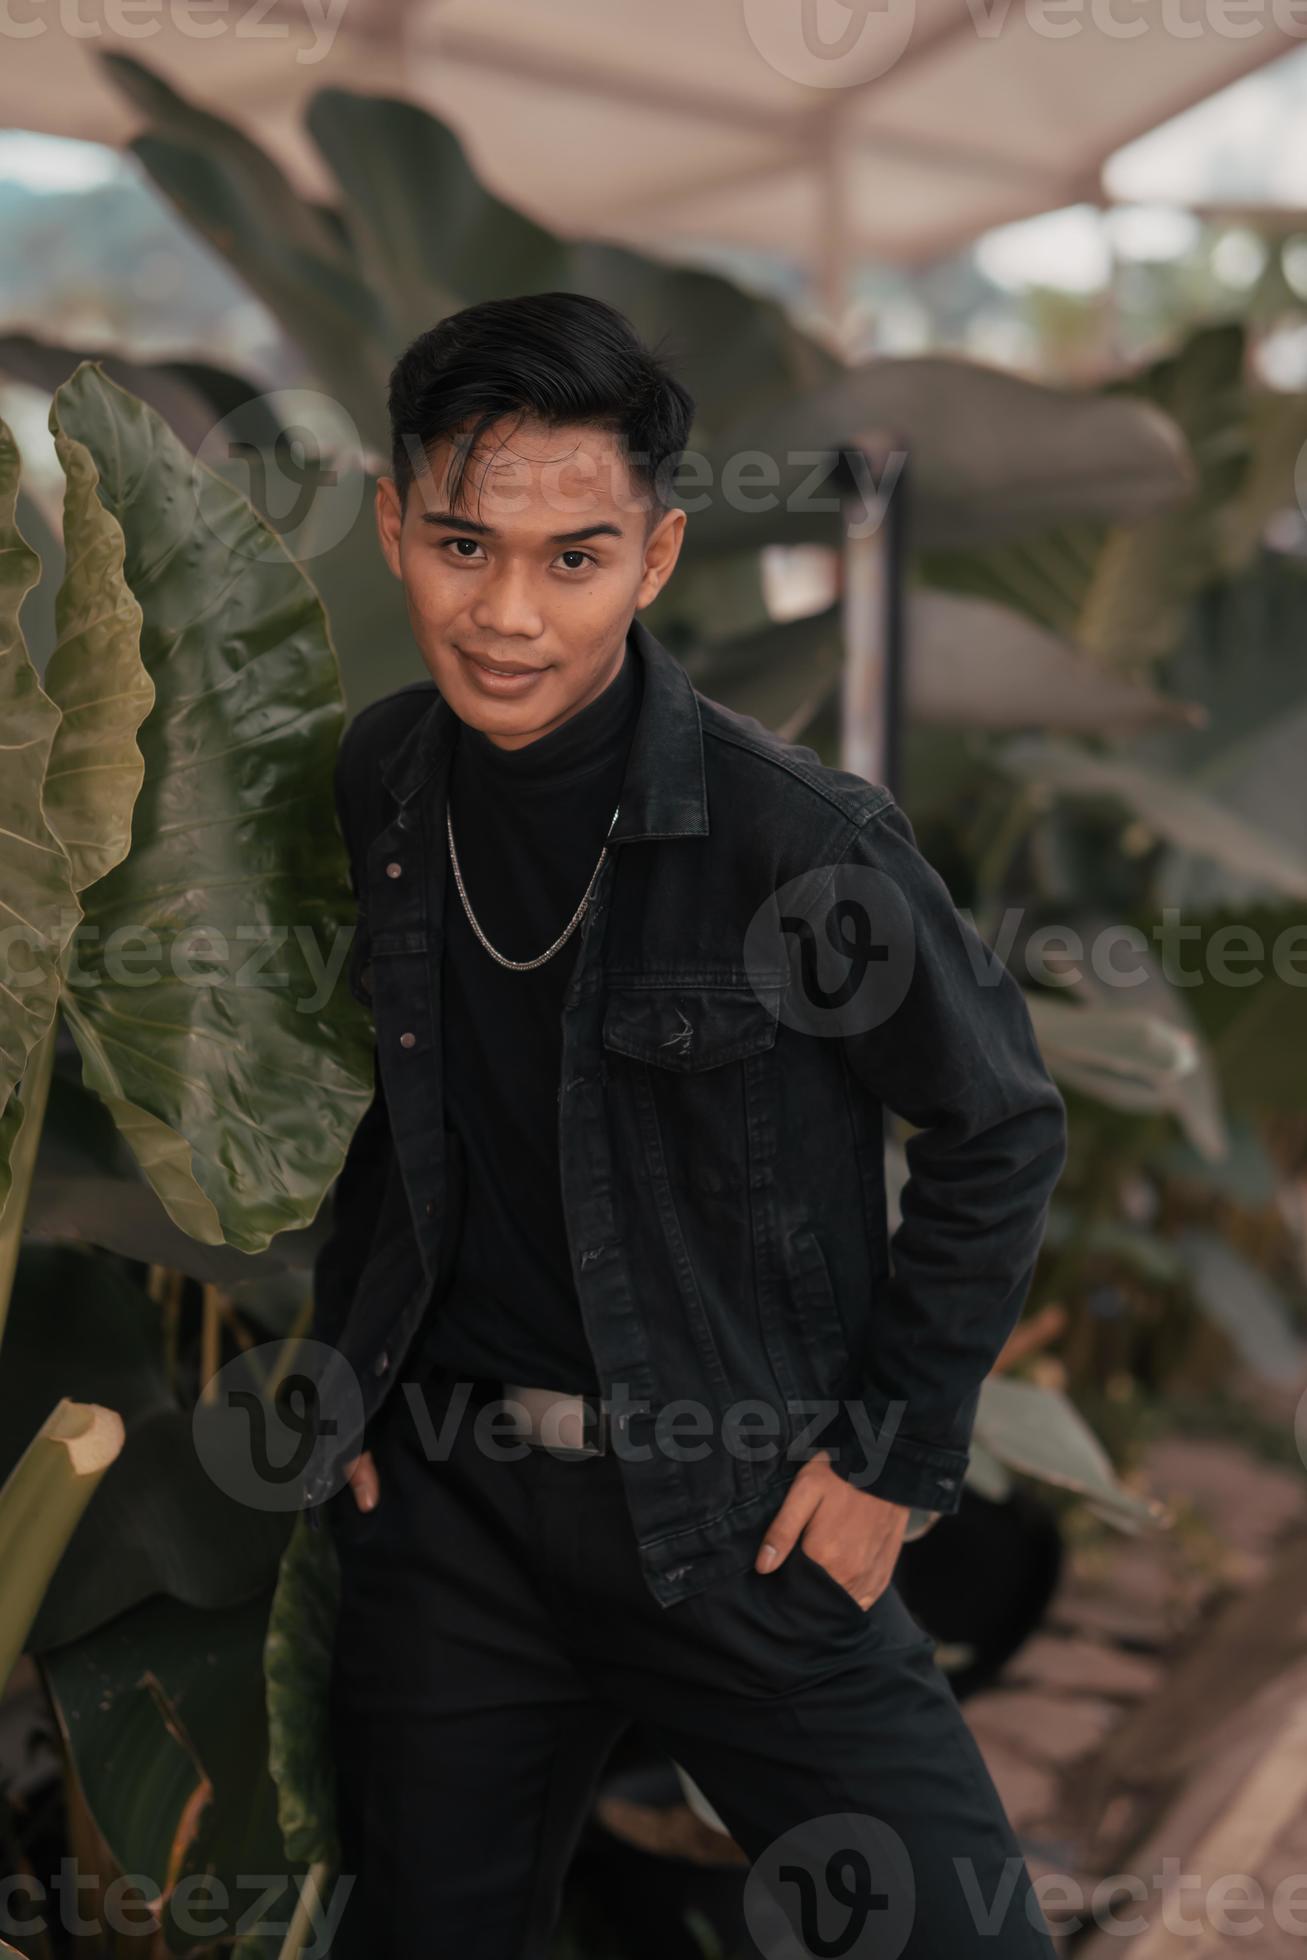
<point>1041,267</point>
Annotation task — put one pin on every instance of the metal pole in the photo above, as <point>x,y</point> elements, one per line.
<point>873,517</point>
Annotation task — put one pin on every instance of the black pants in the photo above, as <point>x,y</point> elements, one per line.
<point>496,1637</point>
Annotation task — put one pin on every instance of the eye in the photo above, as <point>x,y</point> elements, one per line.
<point>447,542</point>
<point>585,557</point>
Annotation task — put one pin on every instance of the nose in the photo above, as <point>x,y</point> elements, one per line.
<point>505,606</point>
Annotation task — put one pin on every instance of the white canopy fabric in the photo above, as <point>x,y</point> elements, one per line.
<point>832,131</point>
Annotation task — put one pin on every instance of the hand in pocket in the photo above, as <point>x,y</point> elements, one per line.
<point>361,1474</point>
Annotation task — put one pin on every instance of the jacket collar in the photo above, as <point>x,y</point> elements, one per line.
<point>663,792</point>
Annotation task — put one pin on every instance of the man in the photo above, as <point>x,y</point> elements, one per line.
<point>647,1399</point>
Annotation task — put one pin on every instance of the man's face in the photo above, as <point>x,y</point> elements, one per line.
<point>520,600</point>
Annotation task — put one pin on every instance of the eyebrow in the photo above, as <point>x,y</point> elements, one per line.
<point>456,523</point>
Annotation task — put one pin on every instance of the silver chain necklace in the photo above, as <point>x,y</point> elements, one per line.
<point>524,966</point>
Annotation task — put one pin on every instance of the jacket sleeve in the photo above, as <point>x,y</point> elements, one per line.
<point>357,1194</point>
<point>957,1057</point>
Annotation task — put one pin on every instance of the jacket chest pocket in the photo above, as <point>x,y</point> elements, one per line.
<point>690,1029</point>
<point>690,1065</point>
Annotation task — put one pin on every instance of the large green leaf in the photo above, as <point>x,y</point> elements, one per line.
<point>428,235</point>
<point>737,352</point>
<point>1277,436</point>
<point>983,666</point>
<point>88,1187</point>
<point>421,237</point>
<point>432,238</point>
<point>1126,1057</point>
<point>163,1715</point>
<point>41,1501</point>
<point>1260,1050</point>
<point>710,600</point>
<point>38,905</point>
<point>38,607</point>
<point>1246,1175</point>
<point>991,456</point>
<point>98,693</point>
<point>1241,658</point>
<point>1133,608</point>
<point>289,252</point>
<point>780,673</point>
<point>238,1088</point>
<point>1117,588</point>
<point>191,396</point>
<point>1167,806</point>
<point>98,682</point>
<point>158,1523</point>
<point>970,664</point>
<point>1038,1431</point>
<point>1248,1308</point>
<point>363,599</point>
<point>1134,1044</point>
<point>297,1667</point>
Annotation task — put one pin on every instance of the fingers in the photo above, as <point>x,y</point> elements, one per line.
<point>785,1529</point>
<point>364,1481</point>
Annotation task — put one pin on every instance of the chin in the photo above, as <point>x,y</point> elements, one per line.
<point>502,720</point>
<point>495,717</point>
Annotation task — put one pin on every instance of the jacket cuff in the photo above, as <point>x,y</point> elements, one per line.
<point>922,1476</point>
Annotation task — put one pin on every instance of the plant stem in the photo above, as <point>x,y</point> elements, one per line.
<point>301,1923</point>
<point>43,1497</point>
<point>210,1342</point>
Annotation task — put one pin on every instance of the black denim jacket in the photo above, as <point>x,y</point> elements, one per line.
<point>767,962</point>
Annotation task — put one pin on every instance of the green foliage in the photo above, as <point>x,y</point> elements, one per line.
<point>162,1713</point>
<point>158,1524</point>
<point>297,1668</point>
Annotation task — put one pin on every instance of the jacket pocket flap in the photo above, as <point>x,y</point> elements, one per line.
<point>690,1027</point>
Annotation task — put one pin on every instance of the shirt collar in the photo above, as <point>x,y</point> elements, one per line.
<point>663,791</point>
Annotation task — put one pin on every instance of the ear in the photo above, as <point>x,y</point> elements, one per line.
<point>661,551</point>
<point>390,520</point>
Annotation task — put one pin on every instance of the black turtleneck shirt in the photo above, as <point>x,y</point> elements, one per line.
<point>529,824</point>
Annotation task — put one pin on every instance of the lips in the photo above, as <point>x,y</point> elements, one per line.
<point>506,667</point>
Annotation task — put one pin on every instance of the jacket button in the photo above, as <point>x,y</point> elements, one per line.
<point>407,1040</point>
<point>430,1206</point>
<point>381,1363</point>
<point>394,870</point>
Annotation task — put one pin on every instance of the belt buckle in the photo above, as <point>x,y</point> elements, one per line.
<point>595,1421</point>
<point>540,1405</point>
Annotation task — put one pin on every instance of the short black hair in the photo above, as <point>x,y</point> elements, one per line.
<point>560,358</point>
